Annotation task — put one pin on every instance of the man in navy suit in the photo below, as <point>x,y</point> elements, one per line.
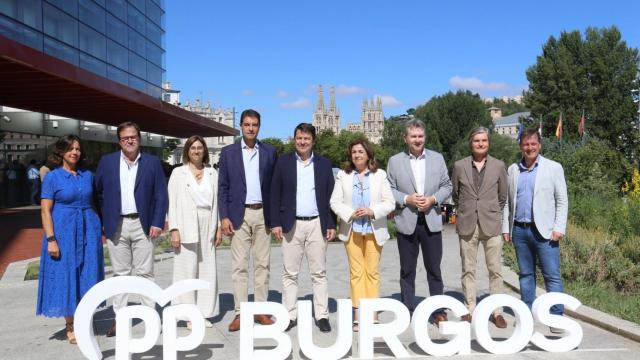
<point>132,199</point>
<point>244,180</point>
<point>300,191</point>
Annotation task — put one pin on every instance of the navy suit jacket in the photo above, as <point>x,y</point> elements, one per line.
<point>283,192</point>
<point>150,192</point>
<point>232,182</point>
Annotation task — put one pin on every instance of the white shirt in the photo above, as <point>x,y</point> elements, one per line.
<point>418,168</point>
<point>251,162</point>
<point>201,193</point>
<point>306,188</point>
<point>127,184</point>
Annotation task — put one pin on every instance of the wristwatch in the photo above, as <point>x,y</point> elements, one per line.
<point>51,238</point>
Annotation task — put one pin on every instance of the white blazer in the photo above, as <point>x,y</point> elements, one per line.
<point>183,213</point>
<point>381,203</point>
<point>550,201</point>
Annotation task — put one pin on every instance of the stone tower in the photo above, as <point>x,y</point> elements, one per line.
<point>372,119</point>
<point>326,119</point>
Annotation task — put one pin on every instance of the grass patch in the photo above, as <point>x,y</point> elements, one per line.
<point>607,299</point>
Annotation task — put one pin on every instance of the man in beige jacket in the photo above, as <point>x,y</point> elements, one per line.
<point>480,193</point>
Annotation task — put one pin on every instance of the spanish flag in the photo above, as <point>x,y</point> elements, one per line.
<point>559,128</point>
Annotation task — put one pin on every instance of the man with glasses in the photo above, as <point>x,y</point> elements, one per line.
<point>132,199</point>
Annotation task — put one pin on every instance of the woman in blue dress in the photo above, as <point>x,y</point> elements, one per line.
<point>71,261</point>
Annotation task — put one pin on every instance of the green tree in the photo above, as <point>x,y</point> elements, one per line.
<point>595,74</point>
<point>501,147</point>
<point>280,146</point>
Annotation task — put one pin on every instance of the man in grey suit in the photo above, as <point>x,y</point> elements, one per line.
<point>419,183</point>
<point>536,217</point>
<point>480,193</point>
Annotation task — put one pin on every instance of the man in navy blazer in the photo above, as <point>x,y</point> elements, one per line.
<point>300,214</point>
<point>132,198</point>
<point>244,181</point>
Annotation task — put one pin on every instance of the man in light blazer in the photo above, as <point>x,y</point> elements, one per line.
<point>132,198</point>
<point>244,182</point>
<point>535,217</point>
<point>302,219</point>
<point>480,193</point>
<point>419,183</point>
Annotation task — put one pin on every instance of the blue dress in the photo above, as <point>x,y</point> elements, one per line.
<point>63,281</point>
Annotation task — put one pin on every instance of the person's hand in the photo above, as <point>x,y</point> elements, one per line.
<point>218,240</point>
<point>426,203</point>
<point>556,236</point>
<point>505,237</point>
<point>175,241</point>
<point>415,200</point>
<point>154,232</point>
<point>277,232</point>
<point>331,233</point>
<point>362,212</point>
<point>53,249</point>
<point>227,227</point>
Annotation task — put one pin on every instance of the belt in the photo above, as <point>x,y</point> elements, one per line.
<point>130,216</point>
<point>253,206</point>
<point>306,218</point>
<point>524,225</point>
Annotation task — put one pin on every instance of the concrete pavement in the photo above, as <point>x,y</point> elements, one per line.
<point>25,336</point>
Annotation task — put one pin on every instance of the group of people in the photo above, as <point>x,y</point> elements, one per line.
<point>295,198</point>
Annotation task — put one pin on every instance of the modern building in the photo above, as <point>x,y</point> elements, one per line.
<point>99,61</point>
<point>508,125</point>
<point>326,118</point>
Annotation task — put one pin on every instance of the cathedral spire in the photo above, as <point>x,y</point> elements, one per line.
<point>320,105</point>
<point>332,99</point>
<point>379,103</point>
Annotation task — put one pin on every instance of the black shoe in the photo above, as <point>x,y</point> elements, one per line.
<point>292,324</point>
<point>323,325</point>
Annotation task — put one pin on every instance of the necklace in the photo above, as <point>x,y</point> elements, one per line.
<point>198,173</point>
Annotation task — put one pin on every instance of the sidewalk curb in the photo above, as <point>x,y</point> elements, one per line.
<point>584,313</point>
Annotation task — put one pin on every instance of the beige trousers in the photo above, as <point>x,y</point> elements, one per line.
<point>305,238</point>
<point>252,237</point>
<point>493,256</point>
<point>198,261</point>
<point>131,253</point>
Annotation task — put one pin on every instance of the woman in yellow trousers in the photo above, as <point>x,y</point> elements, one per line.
<point>362,199</point>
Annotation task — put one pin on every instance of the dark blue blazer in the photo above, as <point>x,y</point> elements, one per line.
<point>232,183</point>
<point>283,192</point>
<point>150,192</point>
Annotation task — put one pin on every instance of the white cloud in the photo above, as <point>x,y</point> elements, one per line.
<point>246,93</point>
<point>387,100</point>
<point>474,83</point>
<point>298,104</point>
<point>349,90</point>
<point>282,93</point>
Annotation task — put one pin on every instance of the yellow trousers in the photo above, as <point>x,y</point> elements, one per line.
<point>363,253</point>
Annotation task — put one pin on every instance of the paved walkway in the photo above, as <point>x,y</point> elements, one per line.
<point>25,336</point>
<point>21,235</point>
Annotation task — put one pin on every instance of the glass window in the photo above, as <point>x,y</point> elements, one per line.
<point>137,65</point>
<point>137,83</point>
<point>137,43</point>
<point>20,33</point>
<point>92,64</point>
<point>117,55</point>
<point>135,19</point>
<point>154,12</point>
<point>60,50</point>
<point>60,25</point>
<point>138,4</point>
<point>154,91</point>
<point>70,6</point>
<point>101,2</point>
<point>92,14</point>
<point>93,42</point>
<point>154,74</point>
<point>117,30</point>
<point>154,54</point>
<point>26,11</point>
<point>154,33</point>
<point>118,75</point>
<point>118,8</point>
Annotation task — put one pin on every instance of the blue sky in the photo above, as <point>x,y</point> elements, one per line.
<point>271,55</point>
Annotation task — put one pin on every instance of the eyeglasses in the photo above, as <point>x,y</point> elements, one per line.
<point>129,138</point>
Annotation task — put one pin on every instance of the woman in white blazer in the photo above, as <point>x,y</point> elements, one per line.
<point>362,199</point>
<point>193,222</point>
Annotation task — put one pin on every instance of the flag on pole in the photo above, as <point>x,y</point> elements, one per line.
<point>581,125</point>
<point>559,128</point>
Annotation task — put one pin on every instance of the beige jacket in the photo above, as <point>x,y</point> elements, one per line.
<point>381,203</point>
<point>183,214</point>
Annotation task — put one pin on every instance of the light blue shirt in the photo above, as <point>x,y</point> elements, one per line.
<point>524,195</point>
<point>251,162</point>
<point>361,198</point>
<point>306,190</point>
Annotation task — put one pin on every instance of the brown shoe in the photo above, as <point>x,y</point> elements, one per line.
<point>466,318</point>
<point>263,319</point>
<point>112,330</point>
<point>499,321</point>
<point>235,324</point>
<point>71,336</point>
<point>439,317</point>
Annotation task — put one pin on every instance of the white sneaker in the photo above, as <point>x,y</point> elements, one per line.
<point>208,323</point>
